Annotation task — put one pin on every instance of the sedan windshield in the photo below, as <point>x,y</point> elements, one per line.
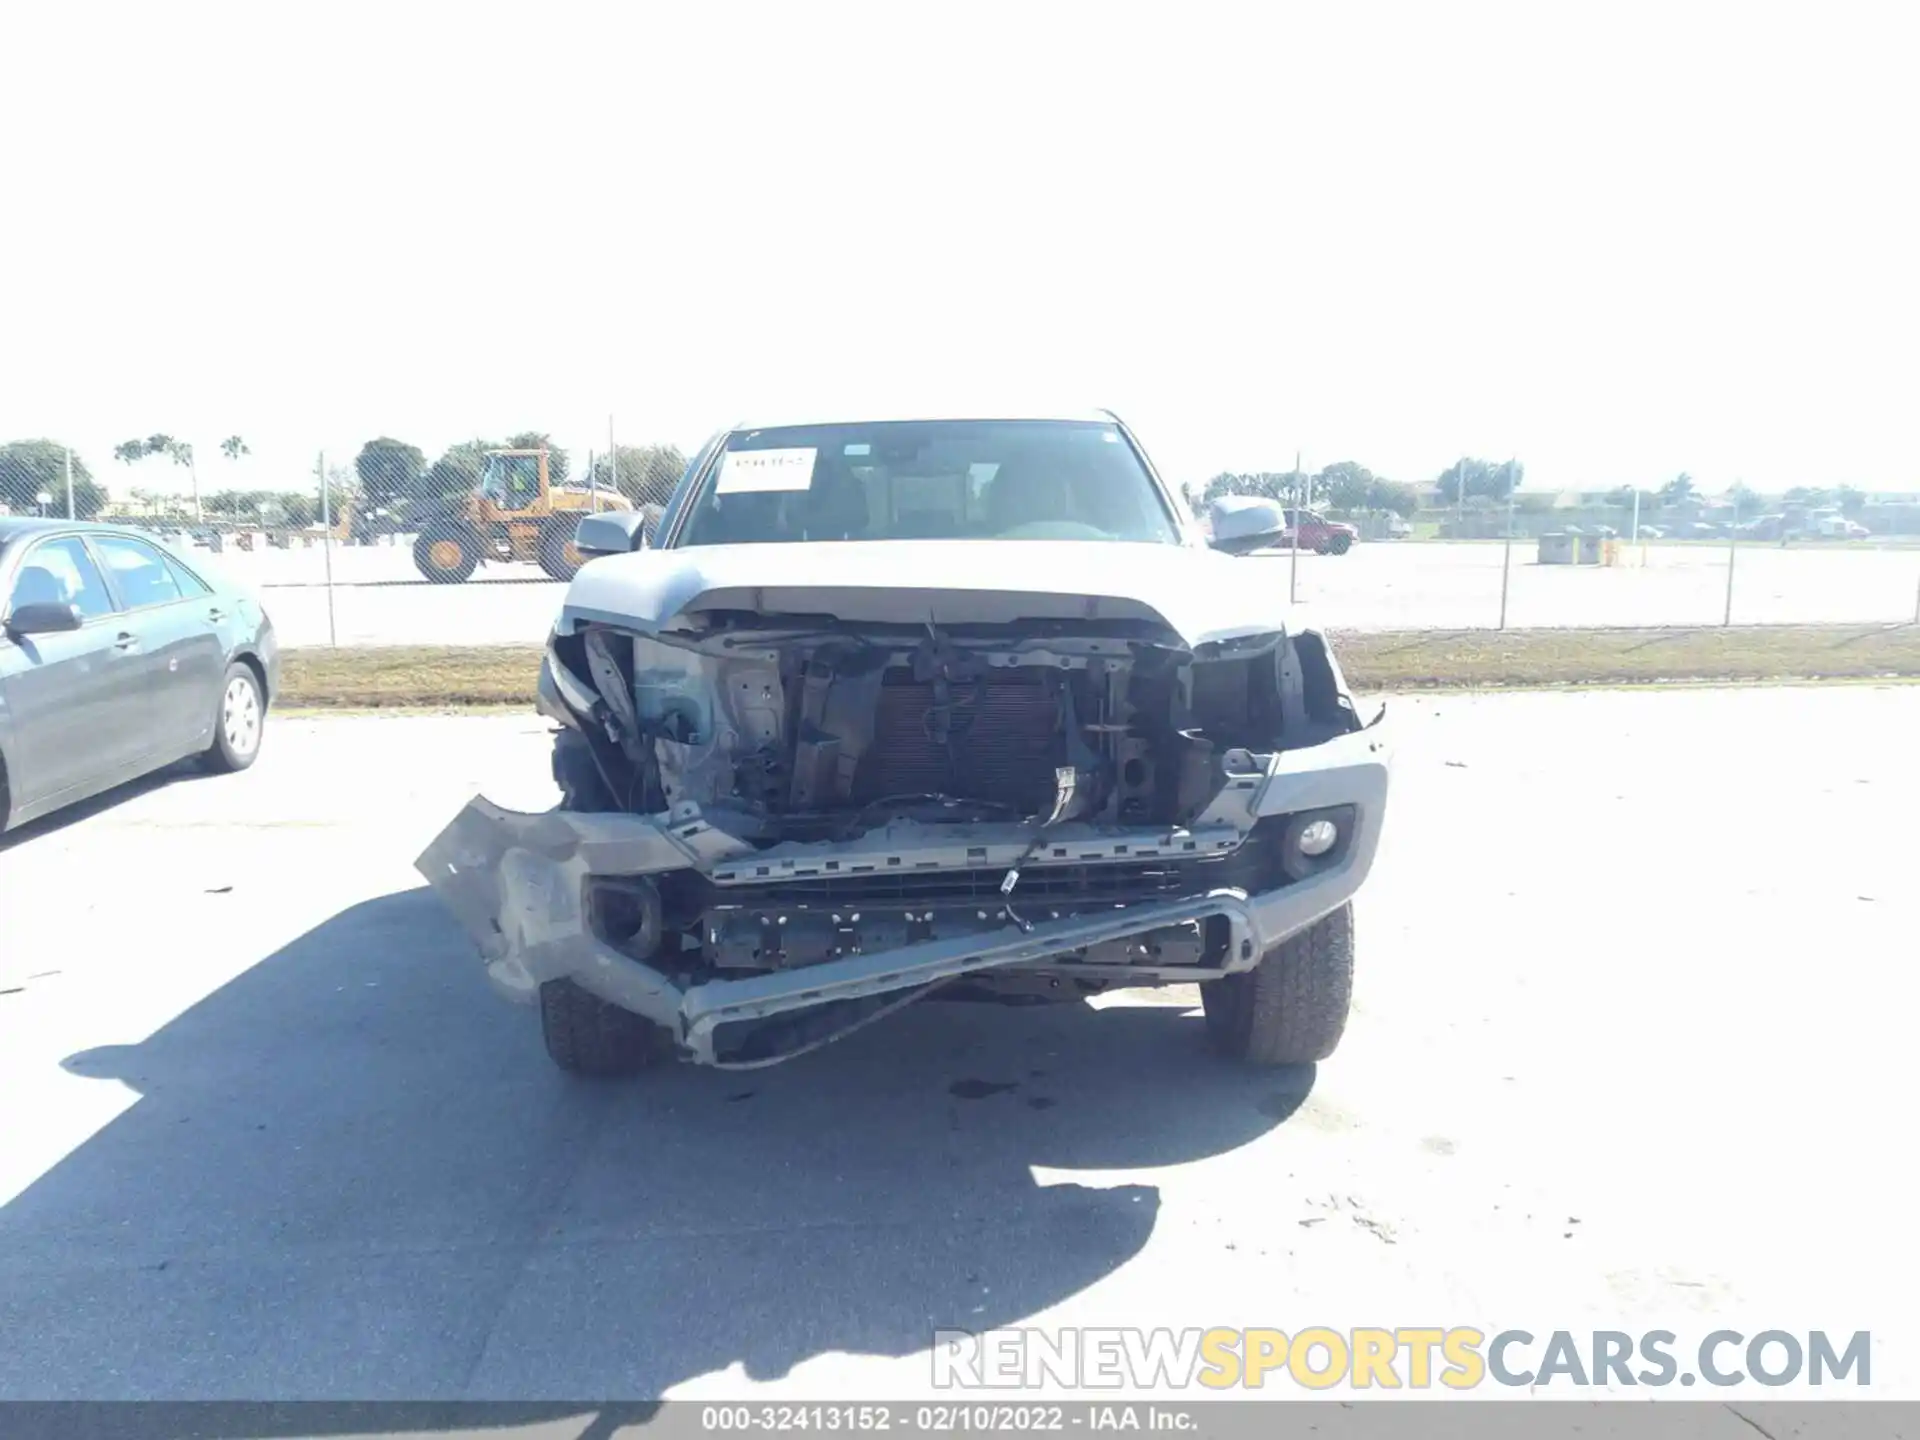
<point>929,480</point>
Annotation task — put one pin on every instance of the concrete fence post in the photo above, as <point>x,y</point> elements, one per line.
<point>1733,546</point>
<point>1299,511</point>
<point>1506,557</point>
<point>326,543</point>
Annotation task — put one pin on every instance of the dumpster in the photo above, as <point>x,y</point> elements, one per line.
<point>1557,548</point>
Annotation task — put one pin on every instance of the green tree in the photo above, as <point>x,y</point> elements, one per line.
<point>1677,489</point>
<point>343,493</point>
<point>557,466</point>
<point>1345,485</point>
<point>647,473</point>
<point>141,501</point>
<point>297,508</point>
<point>30,468</point>
<point>180,452</point>
<point>1745,501</point>
<point>1851,500</point>
<point>1483,479</point>
<point>1282,485</point>
<point>233,447</point>
<point>233,504</point>
<point>389,472</point>
<point>1812,496</point>
<point>1622,496</point>
<point>1393,495</point>
<point>456,472</point>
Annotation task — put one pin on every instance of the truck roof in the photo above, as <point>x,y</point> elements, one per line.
<point>852,416</point>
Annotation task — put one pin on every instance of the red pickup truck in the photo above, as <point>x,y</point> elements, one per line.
<point>1319,534</point>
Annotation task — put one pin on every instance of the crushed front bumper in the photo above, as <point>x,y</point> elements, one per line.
<point>519,884</point>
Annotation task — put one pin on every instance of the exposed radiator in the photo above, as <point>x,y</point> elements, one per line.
<point>1004,741</point>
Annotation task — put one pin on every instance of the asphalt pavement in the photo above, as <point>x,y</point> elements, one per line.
<point>1630,1049</point>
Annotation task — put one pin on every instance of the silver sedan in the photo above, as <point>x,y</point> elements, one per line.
<point>119,657</point>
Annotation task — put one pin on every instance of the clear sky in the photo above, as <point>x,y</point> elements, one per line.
<point>1615,240</point>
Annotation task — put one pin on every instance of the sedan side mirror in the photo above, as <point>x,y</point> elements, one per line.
<point>46,618</point>
<point>1245,523</point>
<point>611,532</point>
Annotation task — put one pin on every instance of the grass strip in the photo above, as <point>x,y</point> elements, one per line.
<point>433,677</point>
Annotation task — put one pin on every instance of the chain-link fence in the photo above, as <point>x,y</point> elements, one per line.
<point>375,596</point>
<point>487,564</point>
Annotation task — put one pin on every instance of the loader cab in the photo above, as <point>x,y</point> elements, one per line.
<point>514,482</point>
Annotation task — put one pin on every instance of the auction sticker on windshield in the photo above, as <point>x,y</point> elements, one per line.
<point>746,471</point>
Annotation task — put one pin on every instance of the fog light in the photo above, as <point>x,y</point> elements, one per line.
<point>1317,837</point>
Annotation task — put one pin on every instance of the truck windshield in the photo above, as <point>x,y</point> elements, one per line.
<point>929,480</point>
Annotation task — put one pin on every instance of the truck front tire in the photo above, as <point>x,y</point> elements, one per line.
<point>582,789</point>
<point>586,1035</point>
<point>1291,1008</point>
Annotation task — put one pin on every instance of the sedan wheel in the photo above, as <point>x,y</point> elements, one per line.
<point>238,725</point>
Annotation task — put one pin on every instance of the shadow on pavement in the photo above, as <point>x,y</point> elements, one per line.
<point>106,800</point>
<point>351,1173</point>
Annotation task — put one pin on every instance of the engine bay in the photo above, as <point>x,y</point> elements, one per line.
<point>822,732</point>
<point>819,733</point>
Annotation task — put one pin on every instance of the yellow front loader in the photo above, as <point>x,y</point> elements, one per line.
<point>515,514</point>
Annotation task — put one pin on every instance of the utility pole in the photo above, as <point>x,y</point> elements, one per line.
<point>613,458</point>
<point>1506,558</point>
<point>1293,571</point>
<point>1460,501</point>
<point>69,450</point>
<point>1733,547</point>
<point>326,543</point>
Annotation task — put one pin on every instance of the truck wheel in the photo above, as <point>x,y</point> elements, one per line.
<point>446,556</point>
<point>1340,544</point>
<point>582,790</point>
<point>1291,1008</point>
<point>586,1035</point>
<point>558,557</point>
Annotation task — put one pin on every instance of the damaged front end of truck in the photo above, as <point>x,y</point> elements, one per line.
<point>778,827</point>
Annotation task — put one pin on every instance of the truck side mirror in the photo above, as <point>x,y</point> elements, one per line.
<point>611,532</point>
<point>1244,523</point>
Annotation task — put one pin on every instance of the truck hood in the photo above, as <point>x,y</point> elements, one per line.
<point>1202,595</point>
